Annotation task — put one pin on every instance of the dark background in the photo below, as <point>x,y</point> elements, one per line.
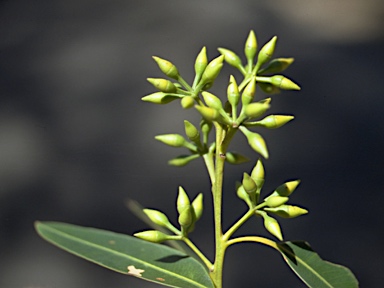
<point>76,141</point>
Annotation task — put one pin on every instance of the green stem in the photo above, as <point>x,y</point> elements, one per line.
<point>198,252</point>
<point>256,239</point>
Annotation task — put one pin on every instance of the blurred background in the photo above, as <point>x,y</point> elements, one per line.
<point>76,141</point>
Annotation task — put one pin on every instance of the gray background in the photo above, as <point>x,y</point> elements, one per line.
<point>76,141</point>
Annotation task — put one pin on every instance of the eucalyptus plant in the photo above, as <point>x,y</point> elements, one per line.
<point>240,111</point>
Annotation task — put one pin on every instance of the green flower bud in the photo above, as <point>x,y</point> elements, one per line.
<point>212,101</point>
<point>191,131</point>
<point>197,205</point>
<point>268,88</point>
<point>182,201</point>
<point>152,236</point>
<point>235,158</point>
<point>250,48</point>
<point>249,92</point>
<point>266,52</point>
<point>174,140</point>
<point>272,226</point>
<point>183,160</point>
<point>274,121</point>
<point>167,67</point>
<point>256,142</point>
<point>187,102</point>
<point>201,62</point>
<point>232,59</point>
<point>213,69</point>
<point>163,85</point>
<point>254,110</point>
<point>243,195</point>
<point>159,98</point>
<point>249,184</point>
<point>286,189</point>
<point>276,201</point>
<point>209,114</point>
<point>277,65</point>
<point>233,92</point>
<point>287,211</point>
<point>186,217</point>
<point>157,217</point>
<point>258,175</point>
<point>284,83</point>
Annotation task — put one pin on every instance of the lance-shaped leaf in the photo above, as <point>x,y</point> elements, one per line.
<point>128,255</point>
<point>314,271</point>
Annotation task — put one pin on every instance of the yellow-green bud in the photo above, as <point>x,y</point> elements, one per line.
<point>197,205</point>
<point>233,92</point>
<point>249,184</point>
<point>208,113</point>
<point>182,201</point>
<point>235,158</point>
<point>258,174</point>
<point>272,226</point>
<point>268,88</point>
<point>243,195</point>
<point>254,110</point>
<point>266,52</point>
<point>284,83</point>
<point>232,58</point>
<point>250,48</point>
<point>157,217</point>
<point>187,102</point>
<point>186,217</point>
<point>276,201</point>
<point>287,211</point>
<point>277,65</point>
<point>163,85</point>
<point>256,142</point>
<point>274,121</point>
<point>174,140</point>
<point>159,98</point>
<point>191,131</point>
<point>167,67</point>
<point>212,101</point>
<point>213,69</point>
<point>183,160</point>
<point>201,62</point>
<point>152,236</point>
<point>249,92</point>
<point>287,188</point>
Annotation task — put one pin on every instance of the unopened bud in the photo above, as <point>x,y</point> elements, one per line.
<point>201,62</point>
<point>167,67</point>
<point>231,58</point>
<point>284,83</point>
<point>152,236</point>
<point>256,142</point>
<point>213,69</point>
<point>157,217</point>
<point>212,101</point>
<point>274,121</point>
<point>186,217</point>
<point>209,114</point>
<point>163,85</point>
<point>277,65</point>
<point>250,48</point>
<point>233,92</point>
<point>187,102</point>
<point>249,92</point>
<point>276,201</point>
<point>249,184</point>
<point>159,98</point>
<point>254,110</point>
<point>272,226</point>
<point>191,131</point>
<point>183,160</point>
<point>235,158</point>
<point>287,211</point>
<point>182,201</point>
<point>197,205</point>
<point>268,88</point>
<point>266,52</point>
<point>243,195</point>
<point>174,140</point>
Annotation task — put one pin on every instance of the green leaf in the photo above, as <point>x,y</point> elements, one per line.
<point>128,255</point>
<point>314,271</point>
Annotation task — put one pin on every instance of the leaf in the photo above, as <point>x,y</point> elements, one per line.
<point>314,271</point>
<point>128,255</point>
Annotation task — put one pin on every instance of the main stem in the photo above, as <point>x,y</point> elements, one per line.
<point>223,138</point>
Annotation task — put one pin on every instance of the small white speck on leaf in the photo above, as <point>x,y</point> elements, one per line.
<point>134,271</point>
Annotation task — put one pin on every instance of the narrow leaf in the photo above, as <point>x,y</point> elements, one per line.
<point>128,255</point>
<point>314,271</point>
